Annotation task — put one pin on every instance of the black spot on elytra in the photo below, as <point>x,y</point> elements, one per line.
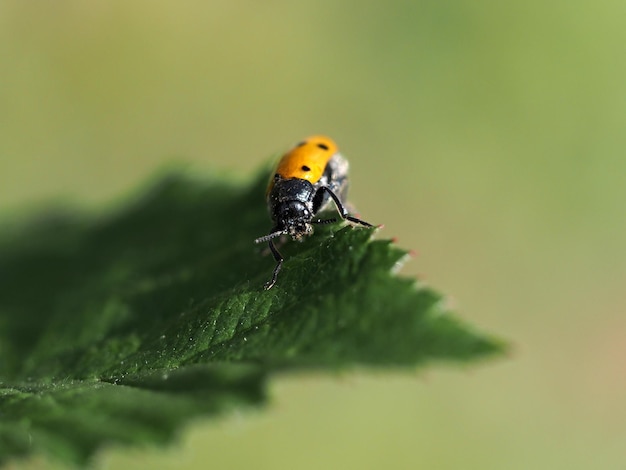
<point>305,168</point>
<point>323,146</point>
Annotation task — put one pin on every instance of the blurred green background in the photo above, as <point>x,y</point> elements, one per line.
<point>488,136</point>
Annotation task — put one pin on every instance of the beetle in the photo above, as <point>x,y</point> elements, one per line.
<point>308,179</point>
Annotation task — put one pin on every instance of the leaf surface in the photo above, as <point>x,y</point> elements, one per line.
<point>121,327</point>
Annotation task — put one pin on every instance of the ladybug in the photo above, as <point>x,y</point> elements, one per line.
<point>308,179</point>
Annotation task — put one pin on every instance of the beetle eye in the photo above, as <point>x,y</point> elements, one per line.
<point>305,168</point>
<point>323,146</point>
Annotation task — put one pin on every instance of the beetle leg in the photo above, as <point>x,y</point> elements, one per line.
<point>279,264</point>
<point>342,210</point>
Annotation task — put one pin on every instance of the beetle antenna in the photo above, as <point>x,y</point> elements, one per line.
<point>325,221</point>
<point>270,236</point>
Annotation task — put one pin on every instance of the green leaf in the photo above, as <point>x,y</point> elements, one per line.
<point>120,328</point>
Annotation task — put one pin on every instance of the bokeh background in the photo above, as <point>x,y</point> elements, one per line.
<point>488,136</point>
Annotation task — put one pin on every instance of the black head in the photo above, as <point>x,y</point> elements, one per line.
<point>291,206</point>
<point>294,217</point>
